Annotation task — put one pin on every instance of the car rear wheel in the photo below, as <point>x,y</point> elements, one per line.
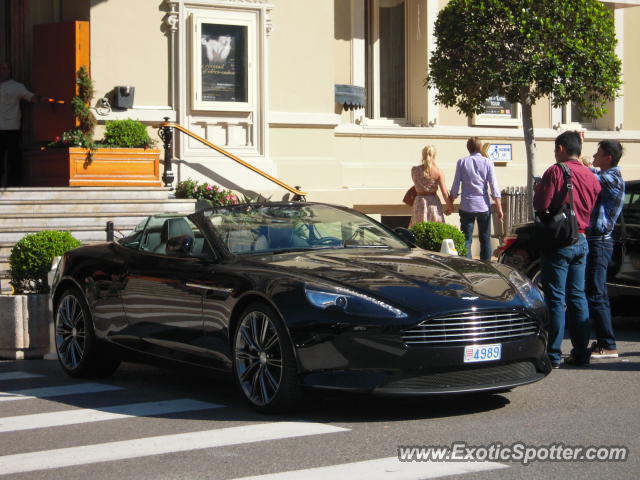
<point>264,365</point>
<point>79,352</point>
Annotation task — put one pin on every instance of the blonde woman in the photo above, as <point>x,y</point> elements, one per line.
<point>427,178</point>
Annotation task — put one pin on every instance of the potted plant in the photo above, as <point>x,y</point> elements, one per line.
<point>25,315</point>
<point>211,195</point>
<point>125,157</point>
<point>429,235</point>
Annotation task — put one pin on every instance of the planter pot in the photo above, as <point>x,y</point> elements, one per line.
<point>24,323</point>
<point>109,167</point>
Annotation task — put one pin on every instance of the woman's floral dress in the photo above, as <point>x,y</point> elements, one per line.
<point>427,206</point>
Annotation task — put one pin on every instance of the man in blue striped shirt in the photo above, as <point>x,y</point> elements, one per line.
<point>603,219</point>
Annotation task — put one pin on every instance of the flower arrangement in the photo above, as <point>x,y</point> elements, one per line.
<point>118,133</point>
<point>83,135</point>
<point>214,194</point>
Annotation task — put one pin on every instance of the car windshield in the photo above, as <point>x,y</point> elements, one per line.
<point>259,228</point>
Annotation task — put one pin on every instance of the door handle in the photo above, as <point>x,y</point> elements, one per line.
<point>218,290</point>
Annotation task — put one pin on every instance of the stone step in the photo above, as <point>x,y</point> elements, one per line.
<point>61,193</point>
<point>9,207</point>
<point>82,232</point>
<point>56,221</point>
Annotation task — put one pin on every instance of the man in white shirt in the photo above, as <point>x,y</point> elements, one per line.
<point>11,93</point>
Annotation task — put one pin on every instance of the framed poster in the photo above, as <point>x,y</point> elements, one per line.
<point>498,111</point>
<point>498,105</point>
<point>222,59</point>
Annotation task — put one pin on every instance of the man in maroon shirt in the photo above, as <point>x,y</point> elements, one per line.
<point>563,269</point>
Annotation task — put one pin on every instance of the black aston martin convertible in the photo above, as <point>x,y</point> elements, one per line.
<point>292,295</point>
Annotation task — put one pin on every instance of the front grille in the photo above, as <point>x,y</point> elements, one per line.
<point>471,327</point>
<point>469,377</point>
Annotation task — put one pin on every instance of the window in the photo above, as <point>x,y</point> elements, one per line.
<point>385,59</point>
<point>571,114</point>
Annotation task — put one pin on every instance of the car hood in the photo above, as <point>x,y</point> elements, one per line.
<point>406,277</point>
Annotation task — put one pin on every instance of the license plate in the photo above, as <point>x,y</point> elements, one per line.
<point>482,353</point>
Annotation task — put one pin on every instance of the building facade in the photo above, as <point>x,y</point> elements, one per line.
<point>324,94</point>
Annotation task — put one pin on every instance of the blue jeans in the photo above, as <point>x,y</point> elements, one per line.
<point>600,251</point>
<point>467,220</point>
<point>563,272</point>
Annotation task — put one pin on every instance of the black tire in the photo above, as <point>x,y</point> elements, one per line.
<point>79,352</point>
<point>264,366</point>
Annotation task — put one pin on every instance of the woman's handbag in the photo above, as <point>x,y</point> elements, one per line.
<point>560,229</point>
<point>410,196</point>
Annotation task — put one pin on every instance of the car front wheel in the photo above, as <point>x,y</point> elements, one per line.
<point>264,365</point>
<point>76,345</point>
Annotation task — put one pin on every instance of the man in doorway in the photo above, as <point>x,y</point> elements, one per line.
<point>474,176</point>
<point>603,219</point>
<point>563,269</point>
<point>11,93</point>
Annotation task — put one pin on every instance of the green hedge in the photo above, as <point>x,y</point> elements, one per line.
<point>127,134</point>
<point>430,235</point>
<point>30,259</point>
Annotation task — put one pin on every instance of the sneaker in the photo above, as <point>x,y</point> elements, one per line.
<point>604,353</point>
<point>571,361</point>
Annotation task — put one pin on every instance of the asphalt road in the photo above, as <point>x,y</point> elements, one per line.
<point>152,423</point>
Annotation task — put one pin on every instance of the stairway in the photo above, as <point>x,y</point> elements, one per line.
<point>83,211</point>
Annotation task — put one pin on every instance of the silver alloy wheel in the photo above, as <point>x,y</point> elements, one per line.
<point>70,332</point>
<point>258,358</point>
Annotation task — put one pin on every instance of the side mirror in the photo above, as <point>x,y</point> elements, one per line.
<point>406,235</point>
<point>181,245</point>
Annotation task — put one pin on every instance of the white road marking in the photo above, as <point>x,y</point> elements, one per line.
<point>383,468</point>
<point>46,392</point>
<point>86,415</point>
<point>18,375</point>
<point>143,447</point>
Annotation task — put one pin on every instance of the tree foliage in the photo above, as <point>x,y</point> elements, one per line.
<point>525,50</point>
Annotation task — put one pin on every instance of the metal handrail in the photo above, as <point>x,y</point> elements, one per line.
<point>167,135</point>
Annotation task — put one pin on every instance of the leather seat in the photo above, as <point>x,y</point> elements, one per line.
<point>283,236</point>
<point>172,227</point>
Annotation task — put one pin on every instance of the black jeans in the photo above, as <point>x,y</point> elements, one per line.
<point>10,144</point>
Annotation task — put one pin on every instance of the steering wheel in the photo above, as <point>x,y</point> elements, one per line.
<point>328,242</point>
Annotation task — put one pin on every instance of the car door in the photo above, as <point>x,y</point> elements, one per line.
<point>162,297</point>
<point>628,272</point>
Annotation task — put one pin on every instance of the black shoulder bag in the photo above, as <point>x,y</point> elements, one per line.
<point>559,229</point>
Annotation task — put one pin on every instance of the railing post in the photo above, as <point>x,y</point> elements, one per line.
<point>297,197</point>
<point>166,135</point>
<point>109,231</point>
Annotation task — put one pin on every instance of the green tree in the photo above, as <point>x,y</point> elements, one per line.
<point>525,50</point>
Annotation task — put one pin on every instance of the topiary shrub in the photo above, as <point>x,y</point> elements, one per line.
<point>429,235</point>
<point>127,134</point>
<point>30,259</point>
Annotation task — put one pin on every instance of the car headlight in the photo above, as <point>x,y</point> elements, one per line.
<point>350,302</point>
<point>530,294</point>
